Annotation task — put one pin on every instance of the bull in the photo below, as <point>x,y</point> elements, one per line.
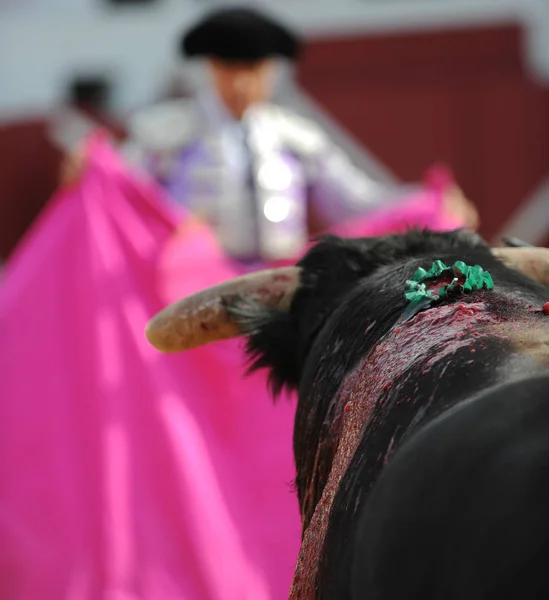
<point>421,436</point>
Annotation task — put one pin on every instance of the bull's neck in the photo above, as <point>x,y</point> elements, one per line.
<point>484,345</point>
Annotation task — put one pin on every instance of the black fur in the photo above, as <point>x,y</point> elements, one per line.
<point>351,295</point>
<point>474,528</point>
<point>279,328</point>
<point>331,269</point>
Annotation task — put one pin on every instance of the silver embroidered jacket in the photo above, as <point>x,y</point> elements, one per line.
<point>251,180</point>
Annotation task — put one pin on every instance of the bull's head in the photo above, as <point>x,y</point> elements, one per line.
<point>206,316</point>
<point>285,312</point>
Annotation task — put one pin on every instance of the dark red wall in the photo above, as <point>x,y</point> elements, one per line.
<point>463,97</point>
<point>29,175</point>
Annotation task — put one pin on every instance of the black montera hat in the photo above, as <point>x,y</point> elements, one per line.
<point>240,34</point>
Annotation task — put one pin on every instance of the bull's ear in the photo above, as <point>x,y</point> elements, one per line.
<point>272,340</point>
<point>531,261</point>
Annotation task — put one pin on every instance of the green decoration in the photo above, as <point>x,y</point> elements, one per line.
<point>460,268</point>
<point>436,270</point>
<point>417,291</point>
<point>488,281</point>
<point>476,278</point>
<point>445,290</point>
<point>419,275</point>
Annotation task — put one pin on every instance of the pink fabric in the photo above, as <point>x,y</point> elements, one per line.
<point>125,473</point>
<point>421,207</point>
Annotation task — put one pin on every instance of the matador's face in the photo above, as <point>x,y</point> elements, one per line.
<point>242,84</point>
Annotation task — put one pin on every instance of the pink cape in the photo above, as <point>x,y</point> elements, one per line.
<point>127,474</point>
<point>420,207</point>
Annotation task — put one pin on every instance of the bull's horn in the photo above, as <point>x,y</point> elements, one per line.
<point>531,261</point>
<point>202,318</point>
<point>513,242</point>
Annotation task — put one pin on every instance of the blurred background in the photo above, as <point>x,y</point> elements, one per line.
<point>132,474</point>
<point>400,84</point>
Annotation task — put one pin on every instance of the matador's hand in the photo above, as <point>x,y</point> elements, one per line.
<point>72,167</point>
<point>456,205</point>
